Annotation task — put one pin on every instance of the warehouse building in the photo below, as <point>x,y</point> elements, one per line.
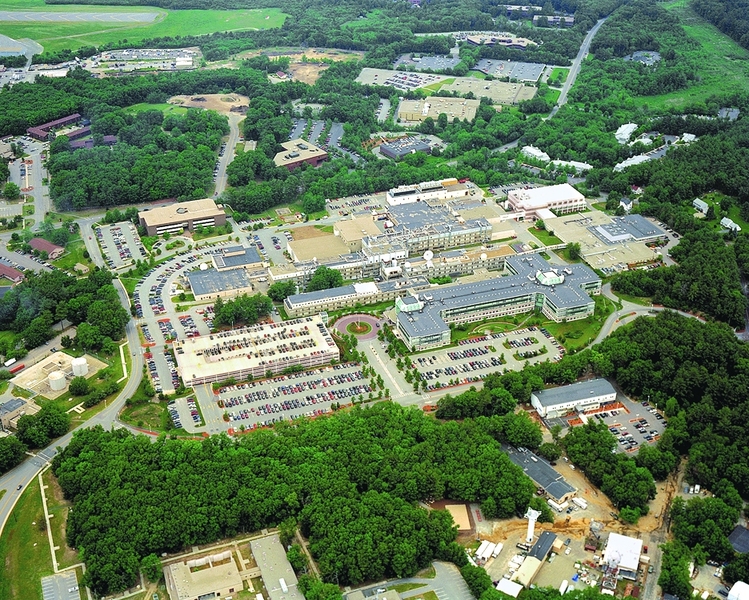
<point>423,322</point>
<point>399,148</point>
<point>507,40</point>
<point>180,216</point>
<point>417,111</point>
<point>298,152</point>
<point>237,257</point>
<point>561,199</point>
<point>278,577</point>
<point>214,576</point>
<point>41,132</point>
<point>582,396</point>
<point>254,351</point>
<point>209,284</point>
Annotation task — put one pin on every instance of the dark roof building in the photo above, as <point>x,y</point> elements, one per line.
<point>543,475</point>
<point>108,140</point>
<point>543,545</point>
<point>403,147</point>
<point>211,284</point>
<point>40,244</point>
<point>41,132</point>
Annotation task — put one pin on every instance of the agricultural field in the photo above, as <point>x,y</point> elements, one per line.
<point>724,65</point>
<point>55,36</point>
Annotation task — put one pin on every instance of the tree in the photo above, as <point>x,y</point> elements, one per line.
<point>12,452</point>
<point>550,452</point>
<point>573,250</point>
<point>11,191</point>
<point>324,278</point>
<point>477,579</point>
<point>79,386</point>
<point>279,291</point>
<point>151,567</point>
<point>297,558</point>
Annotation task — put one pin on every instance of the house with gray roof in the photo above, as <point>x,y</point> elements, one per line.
<point>581,396</point>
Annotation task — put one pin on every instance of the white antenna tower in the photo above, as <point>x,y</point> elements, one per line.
<point>532,516</point>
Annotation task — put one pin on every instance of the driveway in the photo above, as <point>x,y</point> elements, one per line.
<point>448,584</point>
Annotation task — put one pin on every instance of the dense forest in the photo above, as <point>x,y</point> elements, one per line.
<point>351,481</point>
<point>32,307</point>
<point>706,279</point>
<point>156,157</point>
<point>730,16</point>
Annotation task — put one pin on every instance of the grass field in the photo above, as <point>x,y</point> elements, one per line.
<point>544,237</point>
<point>724,65</point>
<point>435,87</point>
<point>24,549</point>
<point>144,106</point>
<point>58,36</point>
<point>560,74</point>
<point>73,255</point>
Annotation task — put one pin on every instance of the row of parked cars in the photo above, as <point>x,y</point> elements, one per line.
<point>469,353</point>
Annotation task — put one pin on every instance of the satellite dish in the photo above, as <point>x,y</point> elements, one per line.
<point>428,255</point>
<point>483,256</point>
<point>204,266</point>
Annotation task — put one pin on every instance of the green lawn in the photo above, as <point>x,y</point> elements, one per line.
<point>73,255</point>
<point>435,87</point>
<point>642,301</point>
<point>576,335</point>
<point>544,236</point>
<point>724,65</point>
<point>560,74</point>
<point>143,106</point>
<point>405,587</point>
<point>57,36</point>
<point>150,416</point>
<point>24,549</point>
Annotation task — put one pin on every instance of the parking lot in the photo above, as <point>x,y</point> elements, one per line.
<point>357,205</point>
<point>299,126</point>
<point>634,425</point>
<point>282,398</point>
<point>120,244</point>
<point>476,357</point>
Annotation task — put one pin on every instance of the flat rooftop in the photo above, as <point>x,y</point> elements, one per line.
<point>212,281</point>
<point>270,557</point>
<point>320,248</point>
<point>623,550</point>
<point>627,228</point>
<point>235,257</point>
<point>179,212</point>
<point>258,345</point>
<point>297,150</point>
<point>418,110</point>
<point>499,92</point>
<point>525,282</point>
<point>357,229</point>
<point>544,196</point>
<point>576,391</point>
<point>201,577</point>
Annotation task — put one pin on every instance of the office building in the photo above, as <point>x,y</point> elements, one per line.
<point>214,576</point>
<point>582,396</point>
<point>298,152</point>
<point>560,294</point>
<point>399,148</point>
<point>561,199</point>
<point>237,257</point>
<point>209,284</point>
<point>254,351</point>
<point>180,216</point>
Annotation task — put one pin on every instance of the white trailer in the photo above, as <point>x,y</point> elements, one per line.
<point>557,507</point>
<point>697,488</point>
<point>580,502</point>
<point>563,587</point>
<point>497,550</point>
<point>481,548</point>
<point>487,553</point>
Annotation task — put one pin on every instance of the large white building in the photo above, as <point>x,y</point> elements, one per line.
<point>623,554</point>
<point>561,199</point>
<point>581,396</point>
<point>445,189</point>
<point>255,351</point>
<point>739,591</point>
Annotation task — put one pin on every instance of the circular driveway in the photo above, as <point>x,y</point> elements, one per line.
<point>341,325</point>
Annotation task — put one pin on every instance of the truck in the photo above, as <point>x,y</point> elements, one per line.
<point>487,553</point>
<point>563,587</point>
<point>697,488</point>
<point>9,362</point>
<point>481,548</point>
<point>17,368</point>
<point>557,507</point>
<point>580,502</point>
<point>497,550</point>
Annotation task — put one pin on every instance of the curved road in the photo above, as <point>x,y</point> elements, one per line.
<point>23,474</point>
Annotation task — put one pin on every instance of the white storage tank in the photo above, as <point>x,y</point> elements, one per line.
<point>80,366</point>
<point>57,381</point>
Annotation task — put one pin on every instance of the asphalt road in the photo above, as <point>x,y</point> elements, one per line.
<point>228,156</point>
<point>26,471</point>
<point>77,17</point>
<point>448,584</point>
<point>576,64</point>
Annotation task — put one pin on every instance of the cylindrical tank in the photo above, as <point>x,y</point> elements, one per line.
<point>57,381</point>
<point>80,366</point>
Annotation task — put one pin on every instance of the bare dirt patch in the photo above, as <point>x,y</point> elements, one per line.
<point>307,72</point>
<point>307,233</point>
<point>221,103</point>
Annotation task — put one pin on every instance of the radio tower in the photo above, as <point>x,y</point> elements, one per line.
<point>532,516</point>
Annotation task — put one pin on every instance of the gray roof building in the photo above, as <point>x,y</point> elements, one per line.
<point>11,405</point>
<point>582,390</point>
<point>275,569</point>
<point>628,228</point>
<point>236,257</point>
<point>543,545</point>
<point>543,475</point>
<point>700,205</point>
<point>212,283</point>
<point>403,147</point>
<point>559,293</point>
